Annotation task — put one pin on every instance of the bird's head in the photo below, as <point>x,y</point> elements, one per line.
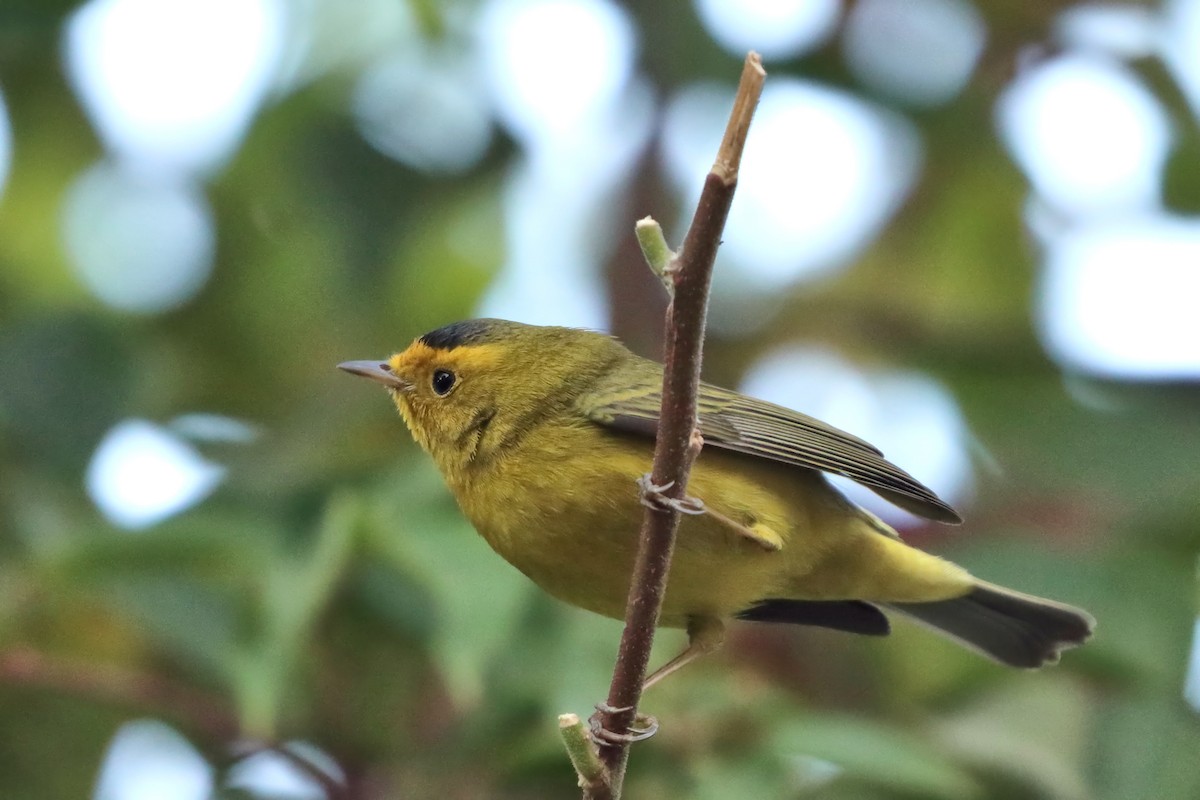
<point>469,386</point>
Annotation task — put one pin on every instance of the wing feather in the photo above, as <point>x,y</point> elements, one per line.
<point>742,424</point>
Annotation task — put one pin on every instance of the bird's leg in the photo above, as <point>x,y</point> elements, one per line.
<point>761,535</point>
<point>651,496</point>
<point>705,634</point>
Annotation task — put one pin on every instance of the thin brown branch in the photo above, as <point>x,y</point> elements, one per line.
<point>204,713</point>
<point>677,444</point>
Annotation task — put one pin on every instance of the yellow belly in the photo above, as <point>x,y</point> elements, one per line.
<point>564,510</point>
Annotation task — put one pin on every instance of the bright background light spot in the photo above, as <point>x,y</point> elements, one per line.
<point>560,75</point>
<point>424,109</point>
<point>920,51</point>
<point>213,428</point>
<point>551,275</point>
<point>812,773</point>
<point>907,415</point>
<point>822,173</point>
<point>1090,137</point>
<point>142,474</point>
<point>5,145</point>
<point>1119,299</point>
<point>149,761</point>
<point>562,202</point>
<point>173,82</point>
<point>1191,682</point>
<point>776,29</point>
<point>1180,32</point>
<point>1124,31</point>
<point>271,774</point>
<point>141,244</point>
<point>328,37</point>
<point>549,64</point>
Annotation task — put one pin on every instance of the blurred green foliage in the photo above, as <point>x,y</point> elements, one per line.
<point>330,591</point>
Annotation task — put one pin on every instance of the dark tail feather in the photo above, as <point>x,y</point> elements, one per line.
<point>1013,628</point>
<point>854,616</point>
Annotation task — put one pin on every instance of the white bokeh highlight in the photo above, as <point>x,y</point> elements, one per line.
<point>1191,680</point>
<point>921,52</point>
<point>775,29</point>
<point>552,65</point>
<point>173,84</point>
<point>1119,299</point>
<point>1123,31</point>
<point>142,474</point>
<point>910,417</point>
<point>148,760</point>
<point>823,172</point>
<point>1180,33</point>
<point>560,77</point>
<point>215,428</point>
<point>1090,137</point>
<point>140,243</point>
<point>424,109</point>
<point>5,145</point>
<point>323,38</point>
<point>272,774</point>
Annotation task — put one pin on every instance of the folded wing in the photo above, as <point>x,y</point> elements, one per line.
<point>742,424</point>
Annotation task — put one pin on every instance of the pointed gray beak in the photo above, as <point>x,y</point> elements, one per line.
<point>378,371</point>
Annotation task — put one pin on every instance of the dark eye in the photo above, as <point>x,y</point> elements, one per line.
<point>443,381</point>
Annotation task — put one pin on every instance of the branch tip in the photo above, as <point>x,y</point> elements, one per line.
<point>729,156</point>
<point>593,776</point>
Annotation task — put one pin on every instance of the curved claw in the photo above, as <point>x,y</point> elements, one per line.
<point>643,728</point>
<point>651,495</point>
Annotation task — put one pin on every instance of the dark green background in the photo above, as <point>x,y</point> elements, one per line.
<point>330,591</point>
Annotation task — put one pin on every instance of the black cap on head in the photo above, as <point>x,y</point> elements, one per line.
<point>458,334</point>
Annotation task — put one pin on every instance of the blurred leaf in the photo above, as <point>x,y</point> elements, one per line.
<point>462,241</point>
<point>217,545</point>
<point>184,586</point>
<point>391,596</point>
<point>478,598</point>
<point>876,753</point>
<point>65,382</point>
<point>747,775</point>
<point>1145,747</point>
<point>1035,730</point>
<point>42,758</point>
<point>1181,189</point>
<point>296,590</point>
<point>187,618</point>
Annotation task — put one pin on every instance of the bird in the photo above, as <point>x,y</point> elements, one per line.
<point>542,434</point>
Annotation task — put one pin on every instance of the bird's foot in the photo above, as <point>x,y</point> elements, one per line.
<point>643,728</point>
<point>652,495</point>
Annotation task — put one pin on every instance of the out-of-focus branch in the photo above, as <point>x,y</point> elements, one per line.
<point>207,714</point>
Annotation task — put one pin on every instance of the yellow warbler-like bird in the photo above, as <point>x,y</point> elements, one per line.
<point>542,432</point>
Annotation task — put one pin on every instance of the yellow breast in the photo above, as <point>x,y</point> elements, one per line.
<point>564,510</point>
